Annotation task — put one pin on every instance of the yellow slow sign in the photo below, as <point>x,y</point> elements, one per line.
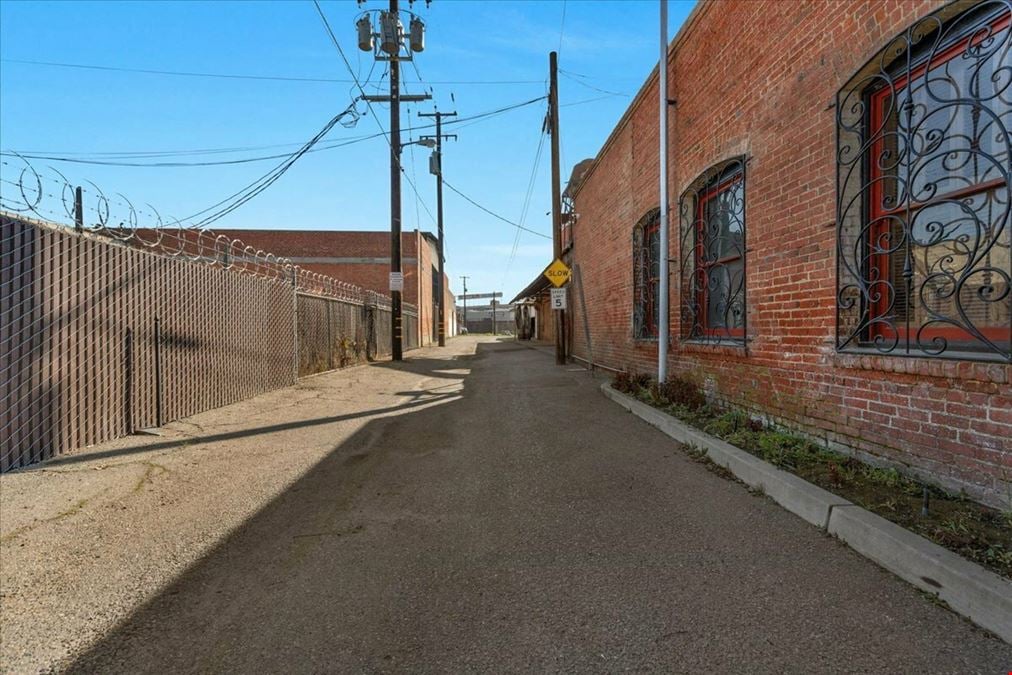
<point>557,273</point>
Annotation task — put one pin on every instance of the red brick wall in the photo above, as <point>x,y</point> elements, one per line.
<point>759,77</point>
<point>426,309</point>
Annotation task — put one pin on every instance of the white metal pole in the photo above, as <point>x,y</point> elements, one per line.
<point>662,79</point>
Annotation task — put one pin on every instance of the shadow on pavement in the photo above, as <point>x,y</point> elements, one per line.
<point>240,433</point>
<point>279,593</point>
<point>483,534</point>
<point>441,368</point>
<point>431,367</point>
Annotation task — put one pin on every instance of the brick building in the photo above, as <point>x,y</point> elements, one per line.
<point>363,258</point>
<point>840,219</point>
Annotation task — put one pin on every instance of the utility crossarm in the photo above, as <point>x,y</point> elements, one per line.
<point>404,98</point>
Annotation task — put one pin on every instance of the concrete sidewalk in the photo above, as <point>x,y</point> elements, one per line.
<point>453,513</point>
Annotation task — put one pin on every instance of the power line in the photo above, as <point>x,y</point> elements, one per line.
<point>562,28</point>
<point>527,197</point>
<point>411,146</point>
<point>166,165</point>
<point>527,200</point>
<point>400,165</point>
<point>589,100</point>
<point>494,214</point>
<point>240,76</point>
<point>255,188</point>
<point>569,76</point>
<point>62,157</point>
<point>141,154</point>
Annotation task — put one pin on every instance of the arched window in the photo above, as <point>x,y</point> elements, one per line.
<point>712,215</point>
<point>646,275</point>
<point>923,210</point>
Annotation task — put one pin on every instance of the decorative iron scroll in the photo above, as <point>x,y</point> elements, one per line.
<point>646,275</point>
<point>923,201</point>
<point>712,216</point>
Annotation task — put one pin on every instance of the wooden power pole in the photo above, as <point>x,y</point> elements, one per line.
<point>437,169</point>
<point>391,25</point>
<point>396,332</point>
<point>553,127</point>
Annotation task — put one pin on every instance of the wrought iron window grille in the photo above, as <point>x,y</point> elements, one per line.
<point>923,192</point>
<point>646,275</point>
<point>713,256</point>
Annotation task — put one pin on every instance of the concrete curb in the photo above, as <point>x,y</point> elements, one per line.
<point>798,496</point>
<point>969,589</point>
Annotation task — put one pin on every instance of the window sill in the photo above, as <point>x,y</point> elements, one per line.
<point>955,365</point>
<point>726,347</point>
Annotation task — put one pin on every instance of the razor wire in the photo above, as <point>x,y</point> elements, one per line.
<point>47,195</point>
<point>69,355</point>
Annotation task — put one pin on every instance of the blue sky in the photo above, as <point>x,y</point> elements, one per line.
<point>606,47</point>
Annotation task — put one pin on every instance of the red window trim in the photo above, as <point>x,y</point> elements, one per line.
<point>703,265</point>
<point>880,217</point>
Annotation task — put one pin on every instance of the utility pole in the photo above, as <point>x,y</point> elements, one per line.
<point>395,201</point>
<point>494,327</point>
<point>391,38</point>
<point>436,167</point>
<point>662,309</point>
<point>465,303</point>
<point>553,126</point>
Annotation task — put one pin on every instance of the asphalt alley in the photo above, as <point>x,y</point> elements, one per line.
<point>506,517</point>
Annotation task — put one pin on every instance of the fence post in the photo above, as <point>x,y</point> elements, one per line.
<point>295,324</point>
<point>78,209</point>
<point>158,372</point>
<point>330,334</point>
<point>369,312</point>
<point>128,384</point>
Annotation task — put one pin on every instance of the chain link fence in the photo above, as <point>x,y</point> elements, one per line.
<point>108,327</point>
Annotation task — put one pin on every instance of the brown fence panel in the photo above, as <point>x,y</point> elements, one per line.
<point>332,333</point>
<point>313,340</point>
<point>77,339</point>
<point>382,330</point>
<point>107,331</point>
<point>409,322</point>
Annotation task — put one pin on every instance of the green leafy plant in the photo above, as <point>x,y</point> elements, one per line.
<point>998,555</point>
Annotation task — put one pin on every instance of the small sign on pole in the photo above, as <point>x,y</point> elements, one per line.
<point>397,281</point>
<point>558,298</point>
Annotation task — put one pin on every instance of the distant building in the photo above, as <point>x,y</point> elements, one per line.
<point>363,258</point>
<point>480,318</point>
